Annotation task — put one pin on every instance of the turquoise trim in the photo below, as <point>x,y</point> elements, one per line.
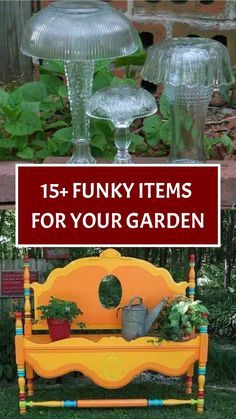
<point>19,331</point>
<point>203,329</point>
<point>21,373</point>
<point>155,403</point>
<point>201,371</point>
<point>191,291</point>
<point>69,403</point>
<point>27,291</point>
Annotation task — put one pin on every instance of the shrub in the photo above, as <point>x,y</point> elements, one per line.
<point>7,348</point>
<point>221,362</point>
<point>222,311</point>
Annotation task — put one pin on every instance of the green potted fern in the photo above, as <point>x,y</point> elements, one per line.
<point>59,315</point>
<point>180,318</point>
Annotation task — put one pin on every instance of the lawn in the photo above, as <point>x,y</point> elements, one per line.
<point>220,404</point>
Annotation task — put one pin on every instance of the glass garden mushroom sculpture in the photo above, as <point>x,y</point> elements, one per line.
<point>189,69</point>
<point>79,33</point>
<point>121,105</point>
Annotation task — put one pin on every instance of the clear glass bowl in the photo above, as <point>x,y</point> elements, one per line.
<point>121,105</point>
<point>190,62</point>
<point>77,31</point>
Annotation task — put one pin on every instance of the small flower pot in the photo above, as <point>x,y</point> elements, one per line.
<point>58,329</point>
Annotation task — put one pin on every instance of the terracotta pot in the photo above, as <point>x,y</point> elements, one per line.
<point>58,329</point>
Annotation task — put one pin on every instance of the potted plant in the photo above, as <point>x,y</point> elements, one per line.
<point>179,319</point>
<point>59,315</point>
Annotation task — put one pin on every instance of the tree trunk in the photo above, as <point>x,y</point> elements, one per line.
<point>13,16</point>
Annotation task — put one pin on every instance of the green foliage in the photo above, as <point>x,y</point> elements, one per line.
<point>222,308</point>
<point>157,129</point>
<point>221,359</point>
<point>180,318</point>
<point>209,143</point>
<point>223,321</point>
<point>7,352</point>
<point>110,291</point>
<point>59,309</point>
<point>35,119</point>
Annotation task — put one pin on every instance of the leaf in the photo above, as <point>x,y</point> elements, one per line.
<point>33,91</point>
<point>135,141</point>
<point>26,123</point>
<point>7,143</point>
<point>51,82</point>
<point>63,91</point>
<point>224,139</point>
<point>26,154</point>
<point>134,59</point>
<point>47,106</point>
<point>39,143</point>
<point>41,154</point>
<point>3,97</point>
<point>63,147</point>
<point>164,106</point>
<point>151,129</point>
<point>56,124</point>
<point>102,79</point>
<point>100,64</point>
<point>15,98</point>
<point>30,107</point>
<point>165,132</point>
<point>21,142</point>
<point>117,81</point>
<point>53,66</point>
<point>64,134</point>
<point>99,140</point>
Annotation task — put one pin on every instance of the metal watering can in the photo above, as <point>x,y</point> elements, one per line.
<point>136,320</point>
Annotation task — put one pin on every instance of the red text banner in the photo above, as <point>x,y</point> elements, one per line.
<point>103,205</point>
<point>12,282</point>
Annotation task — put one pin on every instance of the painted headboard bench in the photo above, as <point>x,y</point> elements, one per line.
<point>108,359</point>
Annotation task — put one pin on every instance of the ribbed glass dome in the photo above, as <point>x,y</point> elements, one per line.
<point>121,104</point>
<point>190,62</point>
<point>77,31</point>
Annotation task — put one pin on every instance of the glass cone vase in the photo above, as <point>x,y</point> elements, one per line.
<point>79,33</point>
<point>190,69</point>
<point>121,105</point>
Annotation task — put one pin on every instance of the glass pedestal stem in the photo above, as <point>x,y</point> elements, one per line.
<point>122,143</point>
<point>79,75</point>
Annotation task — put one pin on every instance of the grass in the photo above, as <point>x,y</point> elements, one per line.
<point>219,404</point>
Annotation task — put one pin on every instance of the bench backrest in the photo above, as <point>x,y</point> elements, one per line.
<point>79,281</point>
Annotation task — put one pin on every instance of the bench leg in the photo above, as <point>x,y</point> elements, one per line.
<point>30,380</point>
<point>21,384</point>
<point>189,379</point>
<point>201,383</point>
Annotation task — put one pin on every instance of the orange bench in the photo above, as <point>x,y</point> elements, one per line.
<point>108,359</point>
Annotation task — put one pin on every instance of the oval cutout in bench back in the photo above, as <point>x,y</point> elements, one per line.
<point>110,292</point>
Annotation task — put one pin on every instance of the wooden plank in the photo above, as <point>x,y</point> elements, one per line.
<point>13,16</point>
